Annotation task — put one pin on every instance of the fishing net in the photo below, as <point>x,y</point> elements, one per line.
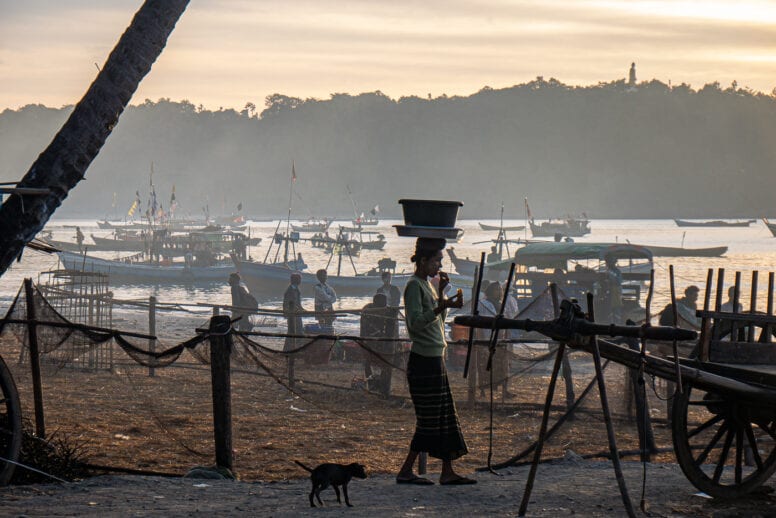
<point>322,395</point>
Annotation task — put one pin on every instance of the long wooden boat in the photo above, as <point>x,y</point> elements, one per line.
<point>119,244</point>
<point>518,228</point>
<point>63,245</point>
<point>467,266</point>
<point>571,227</point>
<point>144,273</point>
<point>713,223</point>
<point>372,243</point>
<point>673,251</point>
<point>273,279</point>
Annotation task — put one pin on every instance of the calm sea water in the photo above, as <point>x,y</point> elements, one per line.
<point>749,248</point>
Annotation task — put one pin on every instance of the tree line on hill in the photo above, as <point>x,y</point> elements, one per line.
<point>610,150</point>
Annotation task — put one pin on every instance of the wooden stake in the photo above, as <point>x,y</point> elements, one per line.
<point>37,387</point>
<point>220,372</point>
<point>752,305</point>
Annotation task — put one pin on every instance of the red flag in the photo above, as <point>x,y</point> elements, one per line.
<point>293,172</point>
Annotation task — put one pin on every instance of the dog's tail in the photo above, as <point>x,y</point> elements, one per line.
<point>303,466</point>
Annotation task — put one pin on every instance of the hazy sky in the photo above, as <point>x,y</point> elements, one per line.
<point>228,52</point>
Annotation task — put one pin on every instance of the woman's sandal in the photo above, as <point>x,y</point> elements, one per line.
<point>418,481</point>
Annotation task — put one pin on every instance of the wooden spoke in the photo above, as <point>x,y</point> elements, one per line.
<point>712,444</point>
<point>753,445</point>
<point>711,422</point>
<point>723,455</point>
<point>739,455</point>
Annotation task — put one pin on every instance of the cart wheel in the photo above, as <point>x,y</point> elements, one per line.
<point>713,438</point>
<point>10,424</point>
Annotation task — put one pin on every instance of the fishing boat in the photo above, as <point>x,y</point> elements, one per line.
<point>273,279</point>
<point>233,220</point>
<point>568,226</point>
<point>361,219</point>
<point>126,271</point>
<point>126,242</point>
<point>675,251</point>
<point>63,245</point>
<point>713,223</point>
<point>312,225</point>
<point>466,266</point>
<point>371,240</point>
<point>582,268</point>
<point>367,219</point>
<point>517,228</point>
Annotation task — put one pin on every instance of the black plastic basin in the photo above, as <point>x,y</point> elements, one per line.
<point>430,213</point>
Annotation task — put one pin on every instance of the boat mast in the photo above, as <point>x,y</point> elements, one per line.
<point>288,219</point>
<point>352,202</point>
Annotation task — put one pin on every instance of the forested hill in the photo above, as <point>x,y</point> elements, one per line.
<point>608,150</point>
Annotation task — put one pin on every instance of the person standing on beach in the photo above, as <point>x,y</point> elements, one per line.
<point>79,237</point>
<point>325,297</point>
<point>437,430</point>
<point>292,307</point>
<point>391,292</point>
<point>242,299</point>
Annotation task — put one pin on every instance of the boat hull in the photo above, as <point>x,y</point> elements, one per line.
<point>670,251</point>
<point>715,223</point>
<point>575,228</point>
<point>134,273</point>
<point>272,280</point>
<point>484,226</point>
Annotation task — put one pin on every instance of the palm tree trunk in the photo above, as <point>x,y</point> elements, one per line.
<point>64,162</point>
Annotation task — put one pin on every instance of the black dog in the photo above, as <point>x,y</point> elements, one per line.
<point>333,475</point>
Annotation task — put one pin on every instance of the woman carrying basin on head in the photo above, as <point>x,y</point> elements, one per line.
<point>437,430</point>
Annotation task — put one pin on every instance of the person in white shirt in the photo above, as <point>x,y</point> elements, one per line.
<point>325,297</point>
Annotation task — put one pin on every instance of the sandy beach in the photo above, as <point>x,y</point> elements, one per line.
<point>564,488</point>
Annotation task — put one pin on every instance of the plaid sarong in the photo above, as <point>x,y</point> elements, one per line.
<point>436,428</point>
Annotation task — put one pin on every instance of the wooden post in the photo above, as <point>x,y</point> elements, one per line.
<point>607,417</point>
<point>37,388</point>
<point>152,329</point>
<point>752,305</point>
<point>705,324</point>
<point>736,296</point>
<point>473,379</point>
<point>220,352</point>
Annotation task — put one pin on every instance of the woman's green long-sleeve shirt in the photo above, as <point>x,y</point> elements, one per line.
<point>426,329</point>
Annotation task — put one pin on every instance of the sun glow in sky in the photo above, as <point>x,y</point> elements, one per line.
<point>225,53</point>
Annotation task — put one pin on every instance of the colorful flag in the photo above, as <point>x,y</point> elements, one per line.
<point>135,205</point>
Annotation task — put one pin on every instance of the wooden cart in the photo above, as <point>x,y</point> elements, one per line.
<point>724,416</point>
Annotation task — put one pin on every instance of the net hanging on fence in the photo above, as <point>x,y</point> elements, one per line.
<point>61,342</point>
